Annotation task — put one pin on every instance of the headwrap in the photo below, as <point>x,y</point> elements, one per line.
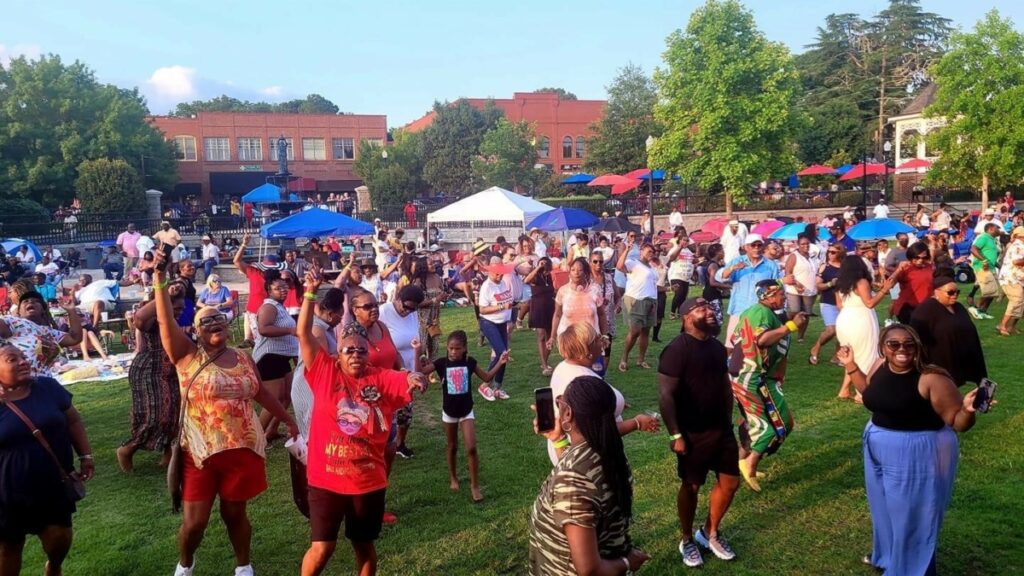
<point>768,291</point>
<point>355,329</point>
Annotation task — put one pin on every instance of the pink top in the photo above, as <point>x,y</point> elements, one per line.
<point>579,304</point>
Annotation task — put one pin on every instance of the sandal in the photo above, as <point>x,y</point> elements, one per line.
<point>643,364</point>
<point>547,371</point>
<point>812,360</point>
<point>623,366</point>
<point>1002,332</point>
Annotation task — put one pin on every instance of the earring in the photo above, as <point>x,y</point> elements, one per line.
<point>566,428</point>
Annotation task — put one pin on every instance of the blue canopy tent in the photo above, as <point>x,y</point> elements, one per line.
<point>580,178</point>
<point>563,219</point>
<point>844,169</point>
<point>878,228</point>
<point>315,222</point>
<point>12,245</point>
<point>267,194</point>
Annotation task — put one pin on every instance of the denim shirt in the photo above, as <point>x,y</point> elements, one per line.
<point>744,281</point>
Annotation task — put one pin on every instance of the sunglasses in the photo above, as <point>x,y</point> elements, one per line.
<point>756,244</point>
<point>953,292</point>
<point>372,306</point>
<point>214,319</point>
<point>922,259</point>
<point>409,305</point>
<point>894,345</point>
<point>357,350</point>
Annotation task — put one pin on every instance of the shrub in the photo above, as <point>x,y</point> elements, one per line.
<point>107,186</point>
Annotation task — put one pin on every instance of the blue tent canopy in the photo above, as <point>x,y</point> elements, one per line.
<point>12,245</point>
<point>315,222</point>
<point>878,228</point>
<point>267,194</point>
<point>580,178</point>
<point>844,169</point>
<point>563,219</point>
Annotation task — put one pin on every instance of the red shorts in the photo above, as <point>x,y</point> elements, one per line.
<point>235,475</point>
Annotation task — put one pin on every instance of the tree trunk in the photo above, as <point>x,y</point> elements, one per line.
<point>984,192</point>
<point>728,204</point>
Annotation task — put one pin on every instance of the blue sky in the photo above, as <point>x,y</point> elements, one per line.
<point>391,58</point>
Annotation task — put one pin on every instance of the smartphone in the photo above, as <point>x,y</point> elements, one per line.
<point>167,249</point>
<point>544,399</point>
<point>983,400</point>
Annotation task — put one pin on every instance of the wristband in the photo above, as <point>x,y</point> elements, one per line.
<point>85,457</point>
<point>791,326</point>
<point>562,443</point>
<point>160,285</point>
<point>311,296</point>
<point>629,569</point>
<point>675,436</point>
<point>637,422</point>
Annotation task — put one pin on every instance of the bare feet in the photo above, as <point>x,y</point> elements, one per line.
<point>165,458</point>
<point>453,484</point>
<point>547,371</point>
<point>644,364</point>
<point>478,496</point>
<point>623,366</point>
<point>124,459</point>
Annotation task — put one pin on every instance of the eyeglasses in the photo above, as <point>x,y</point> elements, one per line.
<point>409,305</point>
<point>213,319</point>
<point>357,350</point>
<point>370,306</point>
<point>756,244</point>
<point>597,261</point>
<point>953,292</point>
<point>894,345</point>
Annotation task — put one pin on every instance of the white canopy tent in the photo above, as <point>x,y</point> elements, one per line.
<point>492,205</point>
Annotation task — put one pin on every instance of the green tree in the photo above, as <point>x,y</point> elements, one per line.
<point>980,87</point>
<point>106,186</point>
<point>394,179</point>
<point>507,156</point>
<point>726,102</point>
<point>619,143</point>
<point>55,116</point>
<point>563,94</point>
<point>451,142</point>
<point>311,104</point>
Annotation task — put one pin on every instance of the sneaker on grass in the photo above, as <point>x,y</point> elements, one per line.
<point>405,452</point>
<point>487,392</point>
<point>718,546</point>
<point>974,313</point>
<point>244,570</point>
<point>691,554</point>
<point>180,570</point>
<point>501,394</point>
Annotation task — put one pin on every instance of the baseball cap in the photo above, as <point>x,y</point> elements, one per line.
<point>496,265</point>
<point>751,238</point>
<point>690,304</point>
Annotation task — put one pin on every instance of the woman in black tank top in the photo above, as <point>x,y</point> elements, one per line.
<point>910,449</point>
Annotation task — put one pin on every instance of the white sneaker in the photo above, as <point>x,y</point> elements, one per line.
<point>691,554</point>
<point>501,394</point>
<point>182,571</point>
<point>716,544</point>
<point>244,570</point>
<point>974,313</point>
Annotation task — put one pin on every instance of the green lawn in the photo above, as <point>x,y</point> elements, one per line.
<point>810,519</point>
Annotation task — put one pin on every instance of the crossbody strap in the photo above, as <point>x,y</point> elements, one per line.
<point>188,387</point>
<point>39,436</point>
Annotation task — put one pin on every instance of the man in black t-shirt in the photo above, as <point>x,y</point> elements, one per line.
<point>696,404</point>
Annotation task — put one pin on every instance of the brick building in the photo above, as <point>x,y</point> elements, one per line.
<point>224,154</point>
<point>563,126</point>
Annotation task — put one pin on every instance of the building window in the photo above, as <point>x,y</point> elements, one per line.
<point>377,142</point>
<point>273,149</point>
<point>567,147</point>
<point>250,149</point>
<point>217,149</point>
<point>343,148</point>
<point>544,150</point>
<point>185,147</point>
<point>313,149</point>
<point>581,146</point>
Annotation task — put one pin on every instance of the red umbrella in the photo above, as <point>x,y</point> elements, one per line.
<point>638,173</point>
<point>611,180</point>
<point>860,170</point>
<point>915,163</point>
<point>702,237</point>
<point>715,226</point>
<point>817,170</point>
<point>624,187</point>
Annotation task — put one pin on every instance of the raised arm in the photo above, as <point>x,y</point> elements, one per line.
<point>620,264</point>
<point>74,335</point>
<point>239,260</point>
<point>309,346</point>
<point>177,345</point>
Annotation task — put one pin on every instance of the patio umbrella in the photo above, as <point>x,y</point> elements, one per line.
<point>646,174</point>
<point>878,228</point>
<point>563,219</point>
<point>624,187</point>
<point>844,168</point>
<point>702,237</point>
<point>817,170</point>
<point>858,171</point>
<point>791,231</point>
<point>915,163</point>
<point>767,227</point>
<point>616,224</point>
<point>580,178</point>
<point>715,226</point>
<point>610,180</point>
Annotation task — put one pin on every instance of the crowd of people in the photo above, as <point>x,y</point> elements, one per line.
<point>335,365</point>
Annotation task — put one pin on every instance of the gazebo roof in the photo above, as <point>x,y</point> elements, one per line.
<point>925,96</point>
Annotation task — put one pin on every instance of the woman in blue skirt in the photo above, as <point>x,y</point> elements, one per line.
<point>910,450</point>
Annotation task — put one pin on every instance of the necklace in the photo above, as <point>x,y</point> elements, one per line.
<point>372,343</point>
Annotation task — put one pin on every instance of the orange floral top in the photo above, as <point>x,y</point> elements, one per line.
<point>219,415</point>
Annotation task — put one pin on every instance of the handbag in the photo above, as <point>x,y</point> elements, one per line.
<point>434,330</point>
<point>74,487</point>
<point>176,463</point>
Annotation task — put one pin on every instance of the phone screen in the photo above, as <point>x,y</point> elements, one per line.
<point>983,400</point>
<point>167,249</point>
<point>545,402</point>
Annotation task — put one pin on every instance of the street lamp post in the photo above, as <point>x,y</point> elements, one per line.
<point>650,183</point>
<point>886,151</point>
<point>864,182</point>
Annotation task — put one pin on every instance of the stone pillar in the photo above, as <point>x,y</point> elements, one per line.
<point>363,203</point>
<point>153,208</point>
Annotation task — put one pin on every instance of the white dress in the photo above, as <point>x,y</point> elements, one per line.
<point>857,327</point>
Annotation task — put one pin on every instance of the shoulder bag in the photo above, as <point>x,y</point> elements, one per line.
<point>176,464</point>
<point>74,488</point>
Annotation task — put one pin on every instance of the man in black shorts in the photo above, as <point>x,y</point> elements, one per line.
<point>696,404</point>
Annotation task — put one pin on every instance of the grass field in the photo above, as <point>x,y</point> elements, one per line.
<point>811,518</point>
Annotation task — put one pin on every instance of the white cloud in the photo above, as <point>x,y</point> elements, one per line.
<point>173,83</point>
<point>32,51</point>
<point>274,91</point>
<point>169,85</point>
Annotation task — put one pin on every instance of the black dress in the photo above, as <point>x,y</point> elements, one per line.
<point>542,303</point>
<point>156,399</point>
<point>950,340</point>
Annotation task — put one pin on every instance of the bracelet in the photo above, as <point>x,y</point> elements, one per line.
<point>311,296</point>
<point>625,560</point>
<point>160,285</point>
<point>852,372</point>
<point>562,443</point>
<point>637,423</point>
<point>791,326</point>
<point>85,457</point>
<point>675,436</point>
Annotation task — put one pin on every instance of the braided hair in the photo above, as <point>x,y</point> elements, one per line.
<point>593,407</point>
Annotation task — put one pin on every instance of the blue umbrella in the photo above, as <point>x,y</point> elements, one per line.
<point>580,178</point>
<point>844,169</point>
<point>12,245</point>
<point>791,231</point>
<point>563,219</point>
<point>878,228</point>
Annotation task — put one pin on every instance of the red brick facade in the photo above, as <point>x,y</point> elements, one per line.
<point>227,154</point>
<point>562,122</point>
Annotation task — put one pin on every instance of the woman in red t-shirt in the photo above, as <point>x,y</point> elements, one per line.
<point>353,405</point>
<point>915,278</point>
